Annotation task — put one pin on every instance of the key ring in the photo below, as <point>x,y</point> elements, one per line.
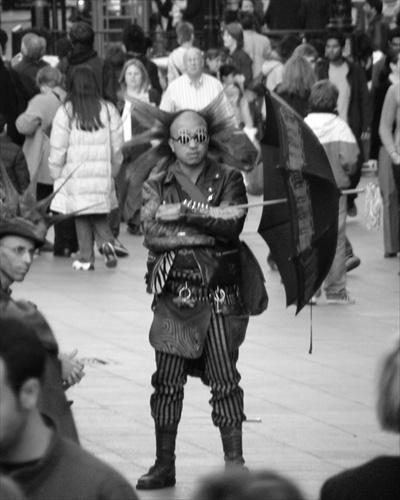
<point>185,293</point>
<point>219,299</point>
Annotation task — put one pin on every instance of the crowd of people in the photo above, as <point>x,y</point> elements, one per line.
<point>91,142</point>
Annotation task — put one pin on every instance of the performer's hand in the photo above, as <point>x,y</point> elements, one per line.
<point>395,157</point>
<point>72,369</point>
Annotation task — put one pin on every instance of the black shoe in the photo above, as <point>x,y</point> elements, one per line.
<point>159,476</point>
<point>64,252</point>
<point>351,208</point>
<point>47,247</point>
<point>120,250</point>
<point>352,261</point>
<point>135,230</point>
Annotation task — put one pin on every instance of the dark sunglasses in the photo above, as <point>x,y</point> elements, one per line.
<point>199,135</point>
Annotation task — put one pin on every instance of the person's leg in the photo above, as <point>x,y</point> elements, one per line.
<point>388,191</point>
<point>84,232</point>
<point>65,238</point>
<point>166,409</point>
<point>104,238</point>
<point>335,282</point>
<point>396,176</point>
<point>227,395</point>
<point>354,180</point>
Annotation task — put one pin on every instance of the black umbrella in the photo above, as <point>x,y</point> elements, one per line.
<point>302,233</point>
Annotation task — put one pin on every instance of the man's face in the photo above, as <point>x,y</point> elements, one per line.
<point>193,63</point>
<point>247,6</point>
<point>333,50</point>
<point>189,139</point>
<point>394,47</point>
<point>12,417</point>
<point>16,254</point>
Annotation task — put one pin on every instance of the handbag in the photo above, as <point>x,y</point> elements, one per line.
<point>252,285</point>
<point>178,330</point>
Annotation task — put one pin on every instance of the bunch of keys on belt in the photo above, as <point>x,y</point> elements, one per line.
<point>219,299</point>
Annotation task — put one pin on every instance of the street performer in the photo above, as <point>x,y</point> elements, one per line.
<point>191,227</point>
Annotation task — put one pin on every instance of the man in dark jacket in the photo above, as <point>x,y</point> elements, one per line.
<point>13,160</point>
<point>192,228</point>
<point>44,464</point>
<point>136,45</point>
<point>82,40</point>
<point>33,48</point>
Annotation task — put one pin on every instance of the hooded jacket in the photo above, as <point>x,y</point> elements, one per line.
<point>91,159</point>
<point>339,143</point>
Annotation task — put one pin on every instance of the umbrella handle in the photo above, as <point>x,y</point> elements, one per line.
<point>262,203</point>
<point>352,191</point>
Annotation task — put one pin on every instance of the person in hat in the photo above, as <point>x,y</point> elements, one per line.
<point>23,227</point>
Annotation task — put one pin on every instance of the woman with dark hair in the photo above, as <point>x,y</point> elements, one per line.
<point>233,41</point>
<point>85,147</point>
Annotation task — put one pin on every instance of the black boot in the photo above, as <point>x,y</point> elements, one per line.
<point>162,474</point>
<point>232,446</point>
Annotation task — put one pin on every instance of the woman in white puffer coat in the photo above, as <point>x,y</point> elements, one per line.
<point>85,148</point>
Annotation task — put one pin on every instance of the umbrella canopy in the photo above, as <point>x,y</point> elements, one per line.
<point>302,233</point>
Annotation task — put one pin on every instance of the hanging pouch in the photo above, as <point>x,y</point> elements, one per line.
<point>179,330</point>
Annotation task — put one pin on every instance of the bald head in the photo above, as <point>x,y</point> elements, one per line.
<point>189,139</point>
<point>187,120</point>
<point>194,62</point>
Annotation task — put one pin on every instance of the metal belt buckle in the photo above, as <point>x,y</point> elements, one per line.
<point>219,299</point>
<point>184,295</point>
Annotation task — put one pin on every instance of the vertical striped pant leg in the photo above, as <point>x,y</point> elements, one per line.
<point>168,382</point>
<point>220,369</point>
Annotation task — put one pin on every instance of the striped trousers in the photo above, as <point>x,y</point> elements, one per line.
<point>220,370</point>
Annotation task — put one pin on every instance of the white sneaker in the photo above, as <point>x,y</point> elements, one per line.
<point>340,300</point>
<point>82,266</point>
<point>109,255</point>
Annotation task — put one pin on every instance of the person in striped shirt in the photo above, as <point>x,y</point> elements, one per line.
<point>192,90</point>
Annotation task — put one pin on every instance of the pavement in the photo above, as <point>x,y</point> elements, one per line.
<point>309,415</point>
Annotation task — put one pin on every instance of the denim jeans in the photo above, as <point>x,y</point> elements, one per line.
<point>90,228</point>
<point>335,282</point>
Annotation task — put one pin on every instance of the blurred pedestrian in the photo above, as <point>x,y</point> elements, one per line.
<point>176,65</point>
<point>43,464</point>
<point>33,48</point>
<point>343,152</point>
<point>135,84</point>
<point>379,478</point>
<point>233,39</point>
<point>85,146</point>
<point>13,159</point>
<point>389,130</point>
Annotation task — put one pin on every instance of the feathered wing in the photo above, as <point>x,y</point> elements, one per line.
<point>26,209</point>
<point>228,144</point>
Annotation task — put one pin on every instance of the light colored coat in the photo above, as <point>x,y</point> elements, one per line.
<point>92,159</point>
<point>35,123</point>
